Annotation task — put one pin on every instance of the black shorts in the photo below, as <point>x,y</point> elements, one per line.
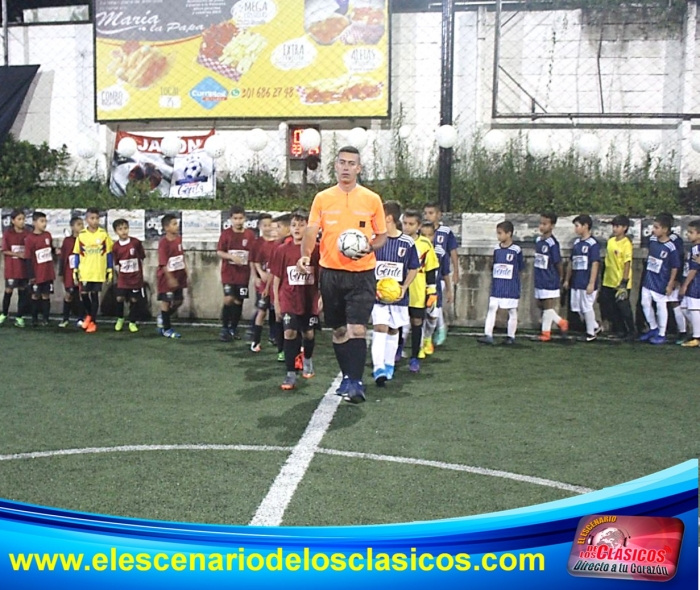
<point>90,287</point>
<point>16,283</point>
<point>239,292</point>
<point>129,293</point>
<point>171,296</point>
<point>42,288</point>
<point>348,297</point>
<point>416,313</point>
<point>70,290</point>
<point>300,323</point>
<point>262,303</point>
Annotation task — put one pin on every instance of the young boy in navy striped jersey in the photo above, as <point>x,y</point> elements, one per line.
<point>549,274</point>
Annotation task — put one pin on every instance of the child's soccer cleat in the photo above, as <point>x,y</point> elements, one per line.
<point>356,392</point>
<point>91,329</point>
<point>280,357</point>
<point>64,324</point>
<point>563,325</point>
<point>545,337</point>
<point>657,340</point>
<point>289,382</point>
<point>3,318</point>
<point>299,362</point>
<point>307,371</point>
<point>428,347</point>
<point>344,386</point>
<point>682,337</point>
<point>649,335</point>
<point>691,343</point>
<point>440,336</point>
<point>225,335</point>
<point>234,336</point>
<point>119,326</point>
<point>45,323</point>
<point>19,323</point>
<point>389,372</point>
<point>87,320</point>
<point>133,327</point>
<point>169,333</point>
<point>380,377</point>
<point>485,340</point>
<point>159,321</point>
<point>399,353</point>
<point>509,341</point>
<point>255,347</point>
<point>594,336</point>
<point>414,365</point>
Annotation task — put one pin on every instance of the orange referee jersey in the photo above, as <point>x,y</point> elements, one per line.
<point>335,211</point>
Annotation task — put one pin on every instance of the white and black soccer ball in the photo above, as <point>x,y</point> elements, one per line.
<point>352,242</point>
<point>192,169</point>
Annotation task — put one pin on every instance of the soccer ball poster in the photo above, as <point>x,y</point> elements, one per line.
<point>241,58</point>
<point>189,174</point>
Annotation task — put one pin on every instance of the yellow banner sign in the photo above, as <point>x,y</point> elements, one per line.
<point>194,59</point>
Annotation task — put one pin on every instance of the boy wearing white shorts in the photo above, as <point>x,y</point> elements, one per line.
<point>690,289</point>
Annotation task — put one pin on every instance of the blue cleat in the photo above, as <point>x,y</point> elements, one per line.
<point>344,386</point>
<point>658,340</point>
<point>380,377</point>
<point>649,335</point>
<point>356,392</point>
<point>389,372</point>
<point>169,333</point>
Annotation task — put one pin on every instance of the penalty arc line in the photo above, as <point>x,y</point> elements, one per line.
<point>272,508</point>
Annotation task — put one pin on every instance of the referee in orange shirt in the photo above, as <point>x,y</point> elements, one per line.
<point>348,285</point>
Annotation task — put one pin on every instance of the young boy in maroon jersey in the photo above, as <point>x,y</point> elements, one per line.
<point>128,255</point>
<point>172,274</point>
<point>66,267</point>
<point>264,246</point>
<point>15,268</point>
<point>38,251</point>
<point>234,248</point>
<point>296,295</point>
<point>282,222</point>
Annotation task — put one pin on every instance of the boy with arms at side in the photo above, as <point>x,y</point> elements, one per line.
<point>674,299</point>
<point>617,280</point>
<point>283,223</point>
<point>234,249</point>
<point>549,275</point>
<point>172,274</point>
<point>15,268</point>
<point>444,289</point>
<point>128,260</point>
<point>445,241</point>
<point>38,249</point>
<point>296,294</point>
<point>422,292</point>
<point>396,259</point>
<point>505,283</point>
<point>92,266</point>
<point>690,289</point>
<point>662,267</point>
<point>582,275</point>
<point>264,246</point>
<point>66,267</point>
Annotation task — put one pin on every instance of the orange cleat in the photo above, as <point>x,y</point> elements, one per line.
<point>545,337</point>
<point>91,329</point>
<point>87,320</point>
<point>564,326</point>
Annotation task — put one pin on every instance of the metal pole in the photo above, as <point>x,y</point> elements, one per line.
<point>496,61</point>
<point>5,40</point>
<point>446,91</point>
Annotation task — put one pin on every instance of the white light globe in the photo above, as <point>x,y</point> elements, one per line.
<point>358,137</point>
<point>170,145</point>
<point>588,146</point>
<point>257,139</point>
<point>310,139</point>
<point>86,147</point>
<point>649,141</point>
<point>126,147</point>
<point>539,144</point>
<point>446,136</point>
<point>215,147</point>
<point>495,142</point>
<point>405,131</point>
<point>695,140</point>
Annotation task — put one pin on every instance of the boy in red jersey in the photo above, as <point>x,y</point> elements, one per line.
<point>15,267</point>
<point>38,251</point>
<point>66,267</point>
<point>128,256</point>
<point>296,294</point>
<point>282,222</point>
<point>264,246</point>
<point>172,274</point>
<point>234,249</point>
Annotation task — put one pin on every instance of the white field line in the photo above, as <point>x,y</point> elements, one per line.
<point>272,508</point>
<point>457,467</point>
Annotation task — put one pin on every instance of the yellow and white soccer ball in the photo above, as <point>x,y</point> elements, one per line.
<point>388,290</point>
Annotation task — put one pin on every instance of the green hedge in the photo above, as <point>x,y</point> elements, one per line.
<point>513,182</point>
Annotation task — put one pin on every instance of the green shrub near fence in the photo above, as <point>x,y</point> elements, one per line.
<point>36,176</point>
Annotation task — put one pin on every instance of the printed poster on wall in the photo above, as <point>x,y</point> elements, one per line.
<point>190,174</point>
<point>189,59</point>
